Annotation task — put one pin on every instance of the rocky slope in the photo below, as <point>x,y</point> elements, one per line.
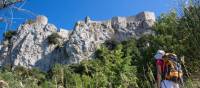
<point>30,46</point>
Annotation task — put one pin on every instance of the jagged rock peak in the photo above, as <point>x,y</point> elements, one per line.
<point>87,19</point>
<point>88,35</point>
<point>41,19</point>
<point>30,46</point>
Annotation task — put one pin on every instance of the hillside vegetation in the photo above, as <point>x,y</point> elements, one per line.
<point>128,64</point>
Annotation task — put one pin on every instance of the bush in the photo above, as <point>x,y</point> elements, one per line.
<point>9,34</point>
<point>54,38</point>
<point>111,44</point>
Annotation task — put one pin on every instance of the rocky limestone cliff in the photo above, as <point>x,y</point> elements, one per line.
<point>30,46</point>
<point>88,34</point>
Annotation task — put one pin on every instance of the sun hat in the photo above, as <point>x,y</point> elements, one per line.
<point>159,54</point>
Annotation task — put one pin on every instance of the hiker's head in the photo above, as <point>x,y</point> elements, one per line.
<point>159,54</point>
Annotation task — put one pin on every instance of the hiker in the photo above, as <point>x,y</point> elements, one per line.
<point>169,73</point>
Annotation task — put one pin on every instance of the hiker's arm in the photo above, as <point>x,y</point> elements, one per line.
<point>159,72</point>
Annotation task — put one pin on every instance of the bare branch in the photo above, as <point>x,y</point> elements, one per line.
<point>24,10</point>
<point>7,3</point>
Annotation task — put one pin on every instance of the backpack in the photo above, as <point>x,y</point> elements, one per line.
<point>172,69</point>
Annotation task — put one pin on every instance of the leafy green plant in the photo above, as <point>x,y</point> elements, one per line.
<point>53,38</point>
<point>9,34</point>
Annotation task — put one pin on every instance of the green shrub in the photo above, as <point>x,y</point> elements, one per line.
<point>53,38</point>
<point>9,34</point>
<point>111,44</point>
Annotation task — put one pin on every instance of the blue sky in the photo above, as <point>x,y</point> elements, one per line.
<point>64,13</point>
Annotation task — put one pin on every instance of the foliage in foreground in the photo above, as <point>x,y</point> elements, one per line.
<point>111,68</point>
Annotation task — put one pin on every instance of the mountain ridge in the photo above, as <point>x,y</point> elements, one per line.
<point>30,47</point>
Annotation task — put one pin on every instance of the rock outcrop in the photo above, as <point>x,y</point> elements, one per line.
<point>88,34</point>
<point>3,84</point>
<point>30,46</point>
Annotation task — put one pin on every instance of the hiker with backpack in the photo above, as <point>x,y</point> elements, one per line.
<point>169,72</point>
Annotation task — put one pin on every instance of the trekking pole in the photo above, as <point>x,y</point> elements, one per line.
<point>183,63</point>
<point>180,78</point>
<point>186,71</point>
